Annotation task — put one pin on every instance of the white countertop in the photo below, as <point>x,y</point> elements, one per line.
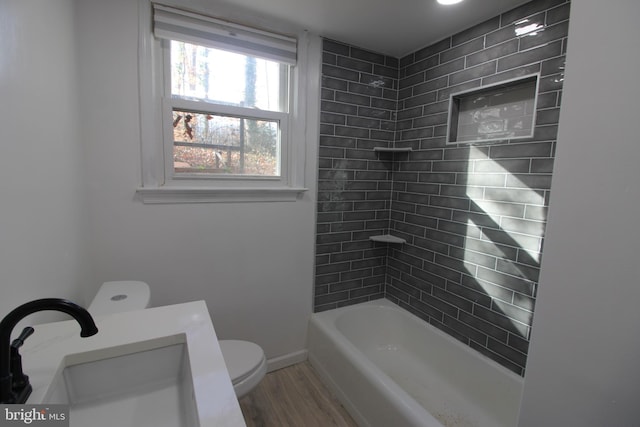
<point>55,344</point>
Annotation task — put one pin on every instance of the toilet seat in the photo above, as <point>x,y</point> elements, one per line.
<point>246,364</point>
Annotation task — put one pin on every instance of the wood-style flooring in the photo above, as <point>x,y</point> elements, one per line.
<point>293,397</point>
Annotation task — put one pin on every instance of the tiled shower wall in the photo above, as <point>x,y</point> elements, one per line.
<point>358,109</point>
<point>473,215</point>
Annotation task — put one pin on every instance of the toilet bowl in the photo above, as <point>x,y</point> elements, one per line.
<point>246,364</point>
<point>245,361</point>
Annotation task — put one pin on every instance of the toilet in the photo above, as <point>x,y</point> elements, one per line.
<point>246,362</point>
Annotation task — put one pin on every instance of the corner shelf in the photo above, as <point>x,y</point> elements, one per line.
<point>387,238</point>
<point>392,149</point>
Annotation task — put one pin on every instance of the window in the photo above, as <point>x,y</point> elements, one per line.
<point>229,111</point>
<point>225,97</point>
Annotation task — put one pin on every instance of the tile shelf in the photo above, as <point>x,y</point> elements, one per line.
<point>387,238</point>
<point>392,149</point>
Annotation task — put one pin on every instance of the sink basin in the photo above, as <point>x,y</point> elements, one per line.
<point>142,384</point>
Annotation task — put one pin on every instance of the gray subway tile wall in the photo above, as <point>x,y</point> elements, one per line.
<point>473,215</point>
<point>358,113</point>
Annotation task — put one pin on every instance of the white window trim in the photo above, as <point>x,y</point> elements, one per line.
<point>302,126</point>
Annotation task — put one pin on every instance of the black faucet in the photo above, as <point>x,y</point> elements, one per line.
<point>9,393</point>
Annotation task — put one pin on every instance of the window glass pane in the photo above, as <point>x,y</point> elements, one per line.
<point>219,76</point>
<point>206,143</point>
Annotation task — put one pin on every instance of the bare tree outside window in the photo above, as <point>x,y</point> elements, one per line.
<point>209,142</point>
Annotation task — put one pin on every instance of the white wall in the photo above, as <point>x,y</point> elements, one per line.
<point>583,367</point>
<point>251,262</point>
<point>43,221</point>
<point>68,173</point>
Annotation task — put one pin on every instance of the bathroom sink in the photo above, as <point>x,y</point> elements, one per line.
<point>141,384</point>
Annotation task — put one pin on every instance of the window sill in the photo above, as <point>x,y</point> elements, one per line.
<point>165,195</point>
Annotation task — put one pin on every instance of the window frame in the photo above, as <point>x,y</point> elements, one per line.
<point>159,182</point>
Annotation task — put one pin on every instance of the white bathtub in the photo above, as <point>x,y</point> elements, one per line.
<point>390,368</point>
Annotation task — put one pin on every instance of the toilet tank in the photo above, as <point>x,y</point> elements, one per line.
<point>120,296</point>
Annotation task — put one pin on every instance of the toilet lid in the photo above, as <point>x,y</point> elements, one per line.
<point>241,357</point>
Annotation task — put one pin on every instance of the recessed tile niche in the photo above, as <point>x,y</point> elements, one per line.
<point>505,110</point>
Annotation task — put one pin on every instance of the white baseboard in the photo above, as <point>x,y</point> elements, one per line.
<point>280,362</point>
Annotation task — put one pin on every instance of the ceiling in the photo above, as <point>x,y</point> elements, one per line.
<point>391,27</point>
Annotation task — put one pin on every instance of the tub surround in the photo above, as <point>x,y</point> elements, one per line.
<point>55,345</point>
<point>472,215</point>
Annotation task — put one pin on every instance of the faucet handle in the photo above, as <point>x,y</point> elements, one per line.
<point>26,333</point>
<point>20,382</point>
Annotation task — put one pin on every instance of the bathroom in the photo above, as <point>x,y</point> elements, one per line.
<point>71,220</point>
